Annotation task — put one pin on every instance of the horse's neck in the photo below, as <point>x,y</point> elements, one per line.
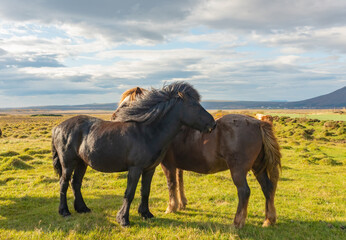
<point>163,131</point>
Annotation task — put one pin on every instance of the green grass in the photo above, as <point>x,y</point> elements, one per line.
<point>310,200</point>
<point>319,116</point>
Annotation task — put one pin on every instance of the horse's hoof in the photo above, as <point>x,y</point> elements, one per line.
<point>181,206</point>
<point>83,210</point>
<point>183,202</point>
<point>64,213</point>
<point>267,223</point>
<point>123,221</point>
<point>238,225</point>
<point>171,209</point>
<point>147,215</point>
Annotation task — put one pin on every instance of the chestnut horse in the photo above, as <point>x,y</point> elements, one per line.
<point>239,143</point>
<point>137,143</point>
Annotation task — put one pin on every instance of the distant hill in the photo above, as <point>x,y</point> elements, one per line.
<point>336,99</point>
<point>242,105</point>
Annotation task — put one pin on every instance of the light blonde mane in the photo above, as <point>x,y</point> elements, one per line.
<point>133,92</point>
<point>131,95</point>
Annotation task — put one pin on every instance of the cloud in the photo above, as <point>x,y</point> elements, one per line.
<point>29,61</point>
<point>308,39</point>
<point>264,16</point>
<point>151,22</point>
<point>2,52</point>
<point>121,21</point>
<point>90,51</point>
<point>264,79</point>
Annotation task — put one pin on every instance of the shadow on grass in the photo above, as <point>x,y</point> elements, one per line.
<point>284,229</point>
<point>31,213</point>
<point>210,214</point>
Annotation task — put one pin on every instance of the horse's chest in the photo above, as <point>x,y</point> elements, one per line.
<point>158,157</point>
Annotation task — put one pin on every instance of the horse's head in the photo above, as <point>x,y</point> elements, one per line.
<point>192,114</point>
<point>265,118</point>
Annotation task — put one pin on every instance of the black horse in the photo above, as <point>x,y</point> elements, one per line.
<point>136,143</point>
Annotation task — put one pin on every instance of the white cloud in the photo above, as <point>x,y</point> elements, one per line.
<point>262,15</point>
<point>308,39</point>
<point>230,50</point>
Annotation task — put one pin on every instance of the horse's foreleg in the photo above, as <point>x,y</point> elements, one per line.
<point>171,177</point>
<point>239,179</point>
<point>268,189</point>
<point>79,204</point>
<point>143,208</point>
<point>182,197</point>
<point>132,181</point>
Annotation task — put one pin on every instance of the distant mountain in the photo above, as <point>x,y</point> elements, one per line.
<point>242,105</point>
<point>336,99</point>
<point>94,106</point>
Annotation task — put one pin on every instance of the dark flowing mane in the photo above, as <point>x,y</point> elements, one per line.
<point>154,104</point>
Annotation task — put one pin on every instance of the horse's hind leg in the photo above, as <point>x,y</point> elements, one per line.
<point>182,197</point>
<point>143,208</point>
<point>64,182</point>
<point>171,177</point>
<point>239,179</point>
<point>79,204</point>
<point>268,189</point>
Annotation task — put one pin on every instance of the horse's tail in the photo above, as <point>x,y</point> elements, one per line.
<point>56,160</point>
<point>272,155</point>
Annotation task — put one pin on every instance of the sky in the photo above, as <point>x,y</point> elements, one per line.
<point>67,52</point>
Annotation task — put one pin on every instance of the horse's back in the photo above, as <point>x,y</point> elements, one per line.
<point>240,134</point>
<point>240,119</point>
<point>80,123</point>
<point>239,124</point>
<point>69,134</point>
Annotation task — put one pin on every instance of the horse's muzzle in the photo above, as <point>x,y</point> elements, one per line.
<point>210,129</point>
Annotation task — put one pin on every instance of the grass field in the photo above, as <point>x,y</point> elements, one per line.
<point>319,116</point>
<point>310,200</point>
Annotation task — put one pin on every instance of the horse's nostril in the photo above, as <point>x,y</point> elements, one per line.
<point>210,129</point>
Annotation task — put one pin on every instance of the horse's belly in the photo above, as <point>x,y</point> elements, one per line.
<point>104,163</point>
<point>200,164</point>
<point>108,167</point>
<point>217,164</point>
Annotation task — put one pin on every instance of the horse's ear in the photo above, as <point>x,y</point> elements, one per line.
<point>181,95</point>
<point>138,90</point>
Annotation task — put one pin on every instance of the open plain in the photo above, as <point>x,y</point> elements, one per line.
<point>310,199</point>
